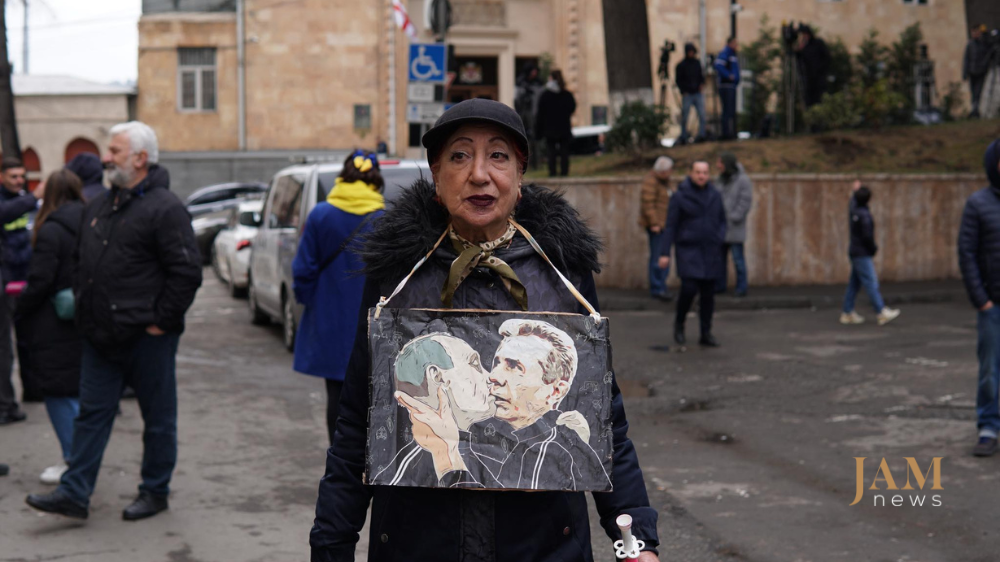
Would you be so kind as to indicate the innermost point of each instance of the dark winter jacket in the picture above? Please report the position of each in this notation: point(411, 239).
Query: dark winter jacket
point(138, 264)
point(332, 296)
point(696, 225)
point(555, 109)
point(727, 68)
point(862, 233)
point(976, 59)
point(16, 237)
point(13, 210)
point(54, 344)
point(526, 97)
point(89, 169)
point(689, 76)
point(815, 59)
point(451, 524)
point(979, 237)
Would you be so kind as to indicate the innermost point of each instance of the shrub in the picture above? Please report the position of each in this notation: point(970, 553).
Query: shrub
point(638, 127)
point(952, 105)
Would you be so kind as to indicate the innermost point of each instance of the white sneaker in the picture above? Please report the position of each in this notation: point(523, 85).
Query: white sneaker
point(52, 474)
point(851, 317)
point(887, 315)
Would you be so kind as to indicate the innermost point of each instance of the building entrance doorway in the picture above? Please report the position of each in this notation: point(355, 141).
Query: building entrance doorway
point(477, 78)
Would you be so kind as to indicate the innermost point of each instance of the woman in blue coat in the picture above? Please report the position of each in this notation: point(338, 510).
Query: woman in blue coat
point(696, 225)
point(326, 275)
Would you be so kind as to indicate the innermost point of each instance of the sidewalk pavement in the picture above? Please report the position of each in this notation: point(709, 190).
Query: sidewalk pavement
point(806, 296)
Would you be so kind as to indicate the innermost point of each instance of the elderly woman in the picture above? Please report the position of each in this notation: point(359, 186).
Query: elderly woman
point(477, 152)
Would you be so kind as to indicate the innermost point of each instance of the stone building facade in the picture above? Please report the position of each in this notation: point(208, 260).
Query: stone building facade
point(331, 74)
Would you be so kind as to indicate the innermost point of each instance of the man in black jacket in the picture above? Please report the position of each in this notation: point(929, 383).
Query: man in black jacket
point(15, 204)
point(979, 260)
point(814, 58)
point(975, 65)
point(862, 251)
point(690, 80)
point(138, 269)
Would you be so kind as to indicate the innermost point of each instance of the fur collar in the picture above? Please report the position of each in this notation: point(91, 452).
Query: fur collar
point(409, 228)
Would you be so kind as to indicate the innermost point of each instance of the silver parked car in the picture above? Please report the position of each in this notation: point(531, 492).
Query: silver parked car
point(231, 248)
point(291, 196)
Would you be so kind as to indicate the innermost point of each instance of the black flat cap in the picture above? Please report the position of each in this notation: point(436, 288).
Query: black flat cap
point(474, 111)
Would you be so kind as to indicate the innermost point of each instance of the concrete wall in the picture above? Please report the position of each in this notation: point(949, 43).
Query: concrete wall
point(798, 227)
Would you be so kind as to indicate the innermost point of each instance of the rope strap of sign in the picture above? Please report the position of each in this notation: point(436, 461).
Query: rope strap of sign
point(383, 301)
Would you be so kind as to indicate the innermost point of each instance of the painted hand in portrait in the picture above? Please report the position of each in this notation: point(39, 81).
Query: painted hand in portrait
point(493, 400)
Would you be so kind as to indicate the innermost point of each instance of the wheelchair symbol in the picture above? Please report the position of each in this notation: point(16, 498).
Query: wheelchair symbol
point(423, 67)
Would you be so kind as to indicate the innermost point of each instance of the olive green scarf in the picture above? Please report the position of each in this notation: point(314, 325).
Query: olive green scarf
point(471, 256)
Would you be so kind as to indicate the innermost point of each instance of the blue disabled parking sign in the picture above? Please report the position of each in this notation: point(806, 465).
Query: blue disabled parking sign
point(428, 63)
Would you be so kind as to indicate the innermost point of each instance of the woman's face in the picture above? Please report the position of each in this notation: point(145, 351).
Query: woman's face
point(478, 180)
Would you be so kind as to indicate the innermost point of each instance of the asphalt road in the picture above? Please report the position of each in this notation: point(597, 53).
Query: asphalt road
point(748, 450)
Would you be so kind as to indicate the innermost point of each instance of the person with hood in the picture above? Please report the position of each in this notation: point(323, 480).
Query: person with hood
point(690, 81)
point(696, 224)
point(737, 197)
point(137, 272)
point(89, 169)
point(975, 65)
point(325, 275)
point(862, 252)
point(46, 309)
point(979, 261)
point(478, 152)
point(555, 110)
point(727, 69)
point(15, 204)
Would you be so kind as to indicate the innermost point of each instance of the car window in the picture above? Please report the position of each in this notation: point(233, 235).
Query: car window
point(212, 197)
point(284, 208)
point(245, 190)
point(249, 218)
point(395, 179)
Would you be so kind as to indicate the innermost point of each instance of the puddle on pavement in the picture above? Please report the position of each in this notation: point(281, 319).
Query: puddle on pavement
point(635, 389)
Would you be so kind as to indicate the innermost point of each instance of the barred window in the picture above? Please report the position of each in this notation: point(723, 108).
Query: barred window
point(196, 83)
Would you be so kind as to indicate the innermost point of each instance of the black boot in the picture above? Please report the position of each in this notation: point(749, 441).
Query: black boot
point(57, 502)
point(707, 340)
point(146, 505)
point(679, 334)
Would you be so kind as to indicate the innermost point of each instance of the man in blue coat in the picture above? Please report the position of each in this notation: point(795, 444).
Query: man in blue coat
point(979, 260)
point(696, 225)
point(727, 68)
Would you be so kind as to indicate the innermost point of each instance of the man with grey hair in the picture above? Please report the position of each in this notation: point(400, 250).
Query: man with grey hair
point(655, 198)
point(137, 273)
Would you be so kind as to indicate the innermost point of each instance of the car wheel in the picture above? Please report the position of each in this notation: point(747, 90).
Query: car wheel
point(257, 316)
point(215, 264)
point(288, 322)
point(234, 291)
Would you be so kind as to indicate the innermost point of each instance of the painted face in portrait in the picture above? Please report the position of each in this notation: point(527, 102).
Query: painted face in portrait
point(518, 381)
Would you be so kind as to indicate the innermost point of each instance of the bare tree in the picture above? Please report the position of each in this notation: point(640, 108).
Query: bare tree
point(9, 143)
point(626, 48)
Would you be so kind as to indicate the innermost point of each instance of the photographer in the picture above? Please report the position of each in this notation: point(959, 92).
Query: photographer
point(975, 65)
point(814, 62)
point(690, 80)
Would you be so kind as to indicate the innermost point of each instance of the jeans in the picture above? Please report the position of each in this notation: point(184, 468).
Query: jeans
point(727, 95)
point(148, 365)
point(556, 146)
point(657, 276)
point(739, 263)
point(976, 83)
point(8, 401)
point(988, 350)
point(687, 102)
point(863, 275)
point(62, 413)
point(706, 307)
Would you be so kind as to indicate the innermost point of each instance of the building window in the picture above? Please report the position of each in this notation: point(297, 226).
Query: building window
point(196, 82)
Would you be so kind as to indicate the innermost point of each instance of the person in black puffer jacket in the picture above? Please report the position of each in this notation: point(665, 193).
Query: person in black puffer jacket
point(52, 341)
point(555, 110)
point(138, 270)
point(979, 260)
point(862, 250)
point(91, 172)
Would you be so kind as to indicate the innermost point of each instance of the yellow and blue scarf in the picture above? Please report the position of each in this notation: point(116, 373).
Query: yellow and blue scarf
point(356, 197)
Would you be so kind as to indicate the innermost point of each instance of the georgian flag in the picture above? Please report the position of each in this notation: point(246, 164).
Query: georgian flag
point(403, 19)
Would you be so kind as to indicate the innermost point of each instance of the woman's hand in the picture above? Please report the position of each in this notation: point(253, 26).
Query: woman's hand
point(647, 556)
point(664, 262)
